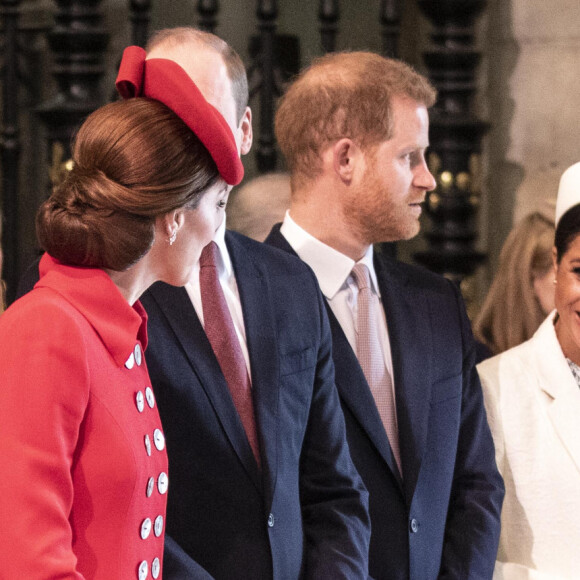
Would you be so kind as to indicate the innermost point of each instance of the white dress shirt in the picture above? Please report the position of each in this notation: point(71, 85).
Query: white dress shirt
point(333, 272)
point(229, 286)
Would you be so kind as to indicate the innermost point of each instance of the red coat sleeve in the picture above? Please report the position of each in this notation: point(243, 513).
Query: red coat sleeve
point(43, 395)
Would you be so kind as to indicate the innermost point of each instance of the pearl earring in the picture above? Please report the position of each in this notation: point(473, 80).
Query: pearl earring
point(172, 237)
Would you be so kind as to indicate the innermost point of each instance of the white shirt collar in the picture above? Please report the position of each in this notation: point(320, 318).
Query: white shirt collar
point(332, 268)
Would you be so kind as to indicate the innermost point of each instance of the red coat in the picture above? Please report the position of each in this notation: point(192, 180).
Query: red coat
point(79, 487)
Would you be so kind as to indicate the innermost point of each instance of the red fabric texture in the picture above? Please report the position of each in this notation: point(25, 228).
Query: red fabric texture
point(165, 81)
point(71, 432)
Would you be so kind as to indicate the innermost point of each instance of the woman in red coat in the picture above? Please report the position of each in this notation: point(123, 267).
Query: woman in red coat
point(85, 480)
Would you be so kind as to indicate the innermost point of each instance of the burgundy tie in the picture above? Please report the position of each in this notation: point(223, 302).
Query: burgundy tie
point(370, 356)
point(220, 331)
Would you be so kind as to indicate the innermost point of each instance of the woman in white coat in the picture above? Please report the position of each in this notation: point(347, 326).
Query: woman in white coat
point(532, 397)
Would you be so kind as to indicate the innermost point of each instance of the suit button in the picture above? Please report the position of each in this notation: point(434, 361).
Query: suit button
point(148, 444)
point(158, 526)
point(143, 570)
point(271, 521)
point(149, 396)
point(130, 363)
point(145, 528)
point(150, 486)
point(162, 483)
point(140, 401)
point(155, 568)
point(159, 439)
point(414, 526)
point(137, 354)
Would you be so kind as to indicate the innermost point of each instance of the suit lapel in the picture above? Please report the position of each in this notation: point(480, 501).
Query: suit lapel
point(408, 322)
point(190, 334)
point(259, 321)
point(350, 380)
point(356, 394)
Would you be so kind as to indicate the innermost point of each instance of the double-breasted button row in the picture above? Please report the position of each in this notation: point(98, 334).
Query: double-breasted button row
point(147, 526)
point(414, 526)
point(140, 399)
point(143, 571)
point(162, 484)
point(135, 357)
point(158, 440)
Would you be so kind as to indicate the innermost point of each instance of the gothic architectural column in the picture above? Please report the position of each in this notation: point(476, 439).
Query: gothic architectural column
point(455, 136)
point(78, 41)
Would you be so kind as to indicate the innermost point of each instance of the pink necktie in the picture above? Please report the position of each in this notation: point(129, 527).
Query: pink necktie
point(370, 356)
point(220, 331)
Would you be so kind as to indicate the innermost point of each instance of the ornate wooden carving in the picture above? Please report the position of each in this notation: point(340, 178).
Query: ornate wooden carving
point(78, 41)
point(390, 17)
point(455, 136)
point(208, 10)
point(266, 156)
point(139, 14)
point(328, 14)
point(10, 144)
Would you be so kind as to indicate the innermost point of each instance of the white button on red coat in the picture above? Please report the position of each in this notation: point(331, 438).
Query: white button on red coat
point(162, 483)
point(149, 396)
point(155, 568)
point(159, 439)
point(140, 401)
point(145, 528)
point(130, 363)
point(138, 355)
point(158, 526)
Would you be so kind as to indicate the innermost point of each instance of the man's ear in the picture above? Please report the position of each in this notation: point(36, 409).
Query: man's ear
point(247, 133)
point(345, 155)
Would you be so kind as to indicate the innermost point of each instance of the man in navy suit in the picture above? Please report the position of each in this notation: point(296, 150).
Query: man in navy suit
point(300, 510)
point(354, 131)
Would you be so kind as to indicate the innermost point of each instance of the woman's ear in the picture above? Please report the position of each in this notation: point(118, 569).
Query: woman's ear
point(170, 224)
point(247, 132)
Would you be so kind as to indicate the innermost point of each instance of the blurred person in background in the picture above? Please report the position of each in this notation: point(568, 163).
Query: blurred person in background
point(522, 291)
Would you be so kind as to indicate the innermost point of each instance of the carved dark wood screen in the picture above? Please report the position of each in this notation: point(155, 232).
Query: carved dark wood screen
point(77, 42)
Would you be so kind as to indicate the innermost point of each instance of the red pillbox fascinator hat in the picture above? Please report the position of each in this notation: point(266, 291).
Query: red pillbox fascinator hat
point(165, 81)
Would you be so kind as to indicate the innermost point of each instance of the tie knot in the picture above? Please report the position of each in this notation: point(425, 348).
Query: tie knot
point(361, 275)
point(209, 256)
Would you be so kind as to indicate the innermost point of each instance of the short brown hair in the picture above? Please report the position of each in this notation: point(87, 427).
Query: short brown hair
point(235, 66)
point(344, 94)
point(133, 160)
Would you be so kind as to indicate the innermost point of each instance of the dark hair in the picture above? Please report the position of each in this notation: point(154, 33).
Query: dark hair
point(183, 35)
point(133, 160)
point(566, 231)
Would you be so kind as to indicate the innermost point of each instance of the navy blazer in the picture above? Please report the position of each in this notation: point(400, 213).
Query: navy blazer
point(443, 519)
point(304, 514)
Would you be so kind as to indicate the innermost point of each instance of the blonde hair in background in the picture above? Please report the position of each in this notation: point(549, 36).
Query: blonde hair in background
point(511, 312)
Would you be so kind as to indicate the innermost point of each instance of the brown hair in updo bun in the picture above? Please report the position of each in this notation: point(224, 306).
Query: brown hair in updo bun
point(134, 160)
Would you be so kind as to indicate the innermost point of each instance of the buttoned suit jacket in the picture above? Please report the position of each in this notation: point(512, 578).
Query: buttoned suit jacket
point(304, 513)
point(533, 404)
point(442, 519)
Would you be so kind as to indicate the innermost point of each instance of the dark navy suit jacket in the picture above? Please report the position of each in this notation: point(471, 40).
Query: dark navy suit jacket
point(442, 521)
point(304, 514)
